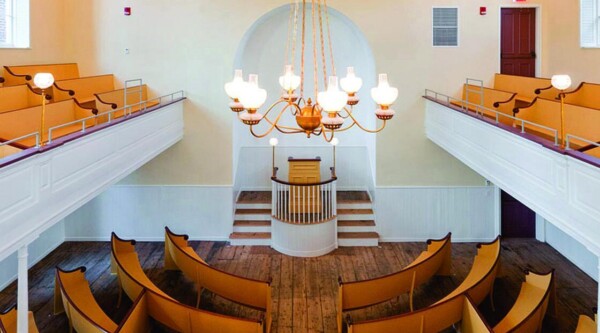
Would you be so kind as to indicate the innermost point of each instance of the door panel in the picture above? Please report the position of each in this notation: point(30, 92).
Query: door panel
point(517, 39)
point(518, 221)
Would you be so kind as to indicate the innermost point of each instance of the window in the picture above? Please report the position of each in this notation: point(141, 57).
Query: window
point(14, 23)
point(445, 26)
point(590, 26)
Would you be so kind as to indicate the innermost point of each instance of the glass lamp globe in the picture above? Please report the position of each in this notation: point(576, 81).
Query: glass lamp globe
point(333, 99)
point(251, 96)
point(351, 84)
point(234, 89)
point(561, 82)
point(43, 80)
point(273, 142)
point(335, 141)
point(289, 81)
point(384, 96)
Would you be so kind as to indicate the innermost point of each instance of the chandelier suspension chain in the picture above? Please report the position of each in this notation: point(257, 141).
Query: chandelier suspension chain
point(295, 33)
point(323, 59)
point(303, 47)
point(315, 58)
point(288, 37)
point(329, 38)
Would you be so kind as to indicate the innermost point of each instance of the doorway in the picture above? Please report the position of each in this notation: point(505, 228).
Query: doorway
point(518, 41)
point(518, 221)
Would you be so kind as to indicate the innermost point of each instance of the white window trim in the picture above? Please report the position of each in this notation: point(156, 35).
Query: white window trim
point(457, 27)
point(597, 26)
point(21, 25)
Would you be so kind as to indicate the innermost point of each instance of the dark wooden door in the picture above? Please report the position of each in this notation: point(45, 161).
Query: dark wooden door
point(518, 42)
point(518, 221)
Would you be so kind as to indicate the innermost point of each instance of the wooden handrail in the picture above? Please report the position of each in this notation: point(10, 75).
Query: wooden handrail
point(71, 92)
point(37, 91)
point(283, 182)
point(94, 110)
point(588, 147)
point(1, 79)
point(112, 105)
point(576, 89)
point(26, 76)
point(517, 109)
point(497, 104)
point(539, 90)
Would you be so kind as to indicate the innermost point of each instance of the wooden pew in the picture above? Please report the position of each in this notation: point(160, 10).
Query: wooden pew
point(113, 100)
point(17, 123)
point(163, 308)
point(586, 95)
point(433, 319)
point(8, 321)
point(528, 312)
point(249, 292)
point(527, 88)
point(587, 324)
point(480, 279)
point(137, 319)
point(73, 296)
point(435, 260)
point(580, 121)
point(15, 75)
point(84, 88)
point(498, 100)
point(20, 97)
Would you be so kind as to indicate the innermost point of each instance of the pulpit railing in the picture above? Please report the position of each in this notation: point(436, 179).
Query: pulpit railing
point(304, 203)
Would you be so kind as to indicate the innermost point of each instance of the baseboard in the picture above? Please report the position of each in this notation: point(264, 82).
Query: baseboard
point(144, 239)
point(31, 264)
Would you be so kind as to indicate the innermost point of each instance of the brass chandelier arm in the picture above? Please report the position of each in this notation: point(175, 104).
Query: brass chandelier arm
point(324, 132)
point(346, 128)
point(366, 129)
point(273, 125)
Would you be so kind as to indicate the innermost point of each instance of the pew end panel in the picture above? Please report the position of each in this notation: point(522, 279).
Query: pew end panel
point(587, 324)
point(137, 320)
point(472, 320)
point(8, 321)
point(586, 95)
point(180, 240)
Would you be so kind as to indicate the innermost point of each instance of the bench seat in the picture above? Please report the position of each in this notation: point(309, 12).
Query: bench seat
point(15, 75)
point(19, 97)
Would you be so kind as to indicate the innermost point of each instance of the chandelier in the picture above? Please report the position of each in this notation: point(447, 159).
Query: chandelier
point(333, 106)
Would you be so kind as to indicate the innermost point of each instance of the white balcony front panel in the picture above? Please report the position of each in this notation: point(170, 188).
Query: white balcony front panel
point(561, 188)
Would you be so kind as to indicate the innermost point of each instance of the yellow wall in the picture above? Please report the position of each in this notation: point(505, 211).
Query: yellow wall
point(190, 45)
point(47, 36)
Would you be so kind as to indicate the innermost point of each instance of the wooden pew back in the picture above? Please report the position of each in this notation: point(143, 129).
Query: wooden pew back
point(72, 295)
point(17, 123)
point(429, 320)
point(525, 87)
point(587, 324)
point(14, 75)
point(8, 321)
point(115, 99)
point(586, 95)
point(528, 312)
point(18, 97)
point(579, 121)
point(480, 280)
point(493, 99)
point(250, 292)
point(137, 319)
point(84, 87)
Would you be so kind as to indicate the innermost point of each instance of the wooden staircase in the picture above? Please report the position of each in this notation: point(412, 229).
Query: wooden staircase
point(356, 220)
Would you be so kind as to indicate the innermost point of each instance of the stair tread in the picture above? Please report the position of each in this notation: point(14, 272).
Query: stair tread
point(253, 211)
point(342, 197)
point(357, 223)
point(255, 223)
point(254, 197)
point(354, 211)
point(355, 235)
point(250, 235)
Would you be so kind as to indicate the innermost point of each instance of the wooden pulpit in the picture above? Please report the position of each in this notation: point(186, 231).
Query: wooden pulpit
point(305, 199)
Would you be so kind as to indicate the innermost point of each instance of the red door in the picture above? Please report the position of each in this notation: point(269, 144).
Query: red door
point(518, 41)
point(518, 221)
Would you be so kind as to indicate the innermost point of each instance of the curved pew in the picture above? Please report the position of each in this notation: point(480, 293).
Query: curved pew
point(587, 324)
point(84, 88)
point(480, 279)
point(17, 123)
point(163, 308)
point(579, 121)
point(435, 260)
point(115, 99)
point(20, 97)
point(72, 295)
point(8, 321)
point(528, 312)
point(586, 95)
point(15, 75)
point(249, 292)
point(433, 319)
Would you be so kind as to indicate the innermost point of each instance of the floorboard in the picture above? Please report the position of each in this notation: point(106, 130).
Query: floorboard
point(304, 290)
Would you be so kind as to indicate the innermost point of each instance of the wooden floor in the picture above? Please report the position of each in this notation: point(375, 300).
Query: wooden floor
point(304, 289)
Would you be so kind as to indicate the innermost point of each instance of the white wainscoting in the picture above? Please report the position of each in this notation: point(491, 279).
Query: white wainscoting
point(307, 240)
point(418, 213)
point(39, 191)
point(562, 189)
point(38, 250)
point(142, 212)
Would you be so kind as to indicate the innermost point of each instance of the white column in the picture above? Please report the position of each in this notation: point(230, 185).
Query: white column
point(22, 292)
point(598, 300)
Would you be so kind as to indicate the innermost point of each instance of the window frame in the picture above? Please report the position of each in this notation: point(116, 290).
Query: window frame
point(19, 31)
point(433, 27)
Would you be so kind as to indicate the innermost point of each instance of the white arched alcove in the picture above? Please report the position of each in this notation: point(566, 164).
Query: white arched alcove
point(262, 52)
